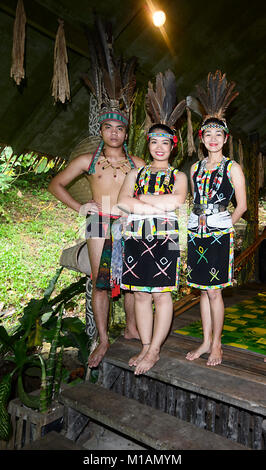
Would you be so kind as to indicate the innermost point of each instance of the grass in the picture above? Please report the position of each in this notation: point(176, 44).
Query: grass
point(32, 237)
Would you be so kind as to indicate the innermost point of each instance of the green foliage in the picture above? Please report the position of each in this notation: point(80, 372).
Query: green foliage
point(42, 318)
point(5, 424)
point(137, 142)
point(51, 362)
point(5, 179)
point(31, 243)
point(13, 165)
point(58, 373)
point(28, 400)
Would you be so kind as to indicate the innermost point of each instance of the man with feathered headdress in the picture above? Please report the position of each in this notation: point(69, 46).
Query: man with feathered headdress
point(112, 81)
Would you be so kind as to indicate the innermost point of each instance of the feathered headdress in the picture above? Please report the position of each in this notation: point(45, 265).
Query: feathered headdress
point(111, 80)
point(216, 97)
point(161, 102)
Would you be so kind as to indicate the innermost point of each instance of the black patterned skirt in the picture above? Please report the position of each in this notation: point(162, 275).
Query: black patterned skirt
point(151, 255)
point(210, 260)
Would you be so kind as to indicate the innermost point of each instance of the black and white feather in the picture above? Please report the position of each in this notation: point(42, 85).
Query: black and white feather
point(112, 80)
point(161, 102)
point(217, 96)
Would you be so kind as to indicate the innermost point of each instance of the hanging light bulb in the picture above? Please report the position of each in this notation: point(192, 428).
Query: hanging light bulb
point(158, 18)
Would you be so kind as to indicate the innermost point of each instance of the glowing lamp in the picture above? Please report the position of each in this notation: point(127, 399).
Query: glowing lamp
point(158, 18)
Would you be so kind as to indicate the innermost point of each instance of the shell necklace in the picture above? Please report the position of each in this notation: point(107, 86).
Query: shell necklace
point(122, 165)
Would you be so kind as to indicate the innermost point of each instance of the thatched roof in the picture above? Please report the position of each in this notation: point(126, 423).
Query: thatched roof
point(229, 35)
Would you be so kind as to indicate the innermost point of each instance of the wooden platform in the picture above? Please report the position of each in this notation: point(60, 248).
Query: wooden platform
point(229, 399)
point(242, 360)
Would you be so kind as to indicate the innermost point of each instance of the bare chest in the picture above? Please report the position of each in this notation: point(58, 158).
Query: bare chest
point(107, 180)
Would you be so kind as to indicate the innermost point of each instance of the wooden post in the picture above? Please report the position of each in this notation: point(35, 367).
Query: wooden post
point(251, 169)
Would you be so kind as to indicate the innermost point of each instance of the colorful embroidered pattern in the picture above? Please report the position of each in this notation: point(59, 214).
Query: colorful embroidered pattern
point(161, 134)
point(113, 116)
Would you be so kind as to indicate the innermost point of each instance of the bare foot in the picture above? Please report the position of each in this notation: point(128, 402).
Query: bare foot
point(215, 358)
point(97, 355)
point(134, 360)
point(196, 353)
point(264, 359)
point(131, 333)
point(147, 362)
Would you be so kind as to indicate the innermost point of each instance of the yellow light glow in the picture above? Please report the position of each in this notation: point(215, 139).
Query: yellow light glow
point(158, 18)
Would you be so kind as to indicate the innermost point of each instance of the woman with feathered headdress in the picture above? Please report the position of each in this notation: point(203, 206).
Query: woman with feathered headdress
point(151, 251)
point(214, 180)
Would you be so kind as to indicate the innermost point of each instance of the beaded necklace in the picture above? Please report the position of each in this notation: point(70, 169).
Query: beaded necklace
point(123, 165)
point(203, 180)
point(145, 176)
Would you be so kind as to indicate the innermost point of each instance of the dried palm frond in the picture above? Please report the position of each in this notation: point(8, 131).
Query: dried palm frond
point(17, 68)
point(60, 82)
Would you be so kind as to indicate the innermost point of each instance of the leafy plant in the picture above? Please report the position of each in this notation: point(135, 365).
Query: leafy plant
point(42, 320)
point(50, 378)
point(5, 390)
point(137, 142)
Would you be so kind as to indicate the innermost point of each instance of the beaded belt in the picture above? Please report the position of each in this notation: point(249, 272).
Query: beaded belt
point(207, 209)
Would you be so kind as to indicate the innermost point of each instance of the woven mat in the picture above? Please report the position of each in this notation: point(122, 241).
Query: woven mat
point(244, 325)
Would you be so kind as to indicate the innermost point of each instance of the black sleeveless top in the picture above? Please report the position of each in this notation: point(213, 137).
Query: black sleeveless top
point(213, 186)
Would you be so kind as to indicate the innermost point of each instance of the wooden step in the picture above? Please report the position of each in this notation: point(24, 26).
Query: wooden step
point(53, 441)
point(154, 428)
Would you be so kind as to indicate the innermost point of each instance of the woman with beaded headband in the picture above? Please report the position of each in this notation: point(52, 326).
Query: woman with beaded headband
point(214, 180)
point(151, 251)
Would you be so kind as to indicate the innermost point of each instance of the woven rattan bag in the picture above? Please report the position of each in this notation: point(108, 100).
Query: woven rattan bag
point(79, 188)
point(76, 258)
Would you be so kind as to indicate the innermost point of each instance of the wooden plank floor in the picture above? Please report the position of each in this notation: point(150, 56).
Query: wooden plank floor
point(240, 380)
point(234, 358)
point(236, 387)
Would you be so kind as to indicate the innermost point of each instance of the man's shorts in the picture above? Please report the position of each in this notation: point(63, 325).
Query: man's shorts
point(99, 226)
